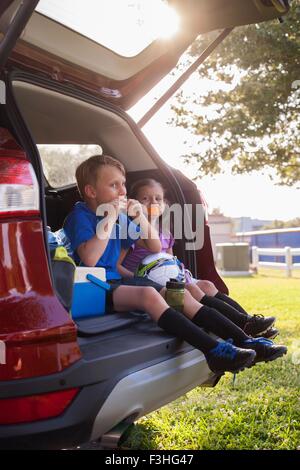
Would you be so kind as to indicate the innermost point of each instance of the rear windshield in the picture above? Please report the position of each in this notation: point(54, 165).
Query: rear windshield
point(124, 26)
point(60, 161)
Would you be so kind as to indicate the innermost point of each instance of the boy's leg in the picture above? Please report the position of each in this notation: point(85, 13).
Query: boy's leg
point(127, 298)
point(148, 299)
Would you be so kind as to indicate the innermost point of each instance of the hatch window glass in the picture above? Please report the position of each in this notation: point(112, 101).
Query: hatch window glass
point(124, 26)
point(60, 161)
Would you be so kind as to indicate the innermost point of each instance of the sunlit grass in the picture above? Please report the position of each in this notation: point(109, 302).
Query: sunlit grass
point(261, 410)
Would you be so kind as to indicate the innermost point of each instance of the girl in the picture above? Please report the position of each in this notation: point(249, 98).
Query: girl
point(151, 194)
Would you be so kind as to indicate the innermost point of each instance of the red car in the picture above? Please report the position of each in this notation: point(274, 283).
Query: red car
point(63, 383)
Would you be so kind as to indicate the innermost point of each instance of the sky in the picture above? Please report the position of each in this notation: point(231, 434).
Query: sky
point(138, 22)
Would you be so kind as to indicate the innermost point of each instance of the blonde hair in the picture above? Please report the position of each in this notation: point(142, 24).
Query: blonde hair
point(86, 172)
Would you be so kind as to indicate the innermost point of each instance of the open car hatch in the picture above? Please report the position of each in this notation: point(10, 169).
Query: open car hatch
point(62, 39)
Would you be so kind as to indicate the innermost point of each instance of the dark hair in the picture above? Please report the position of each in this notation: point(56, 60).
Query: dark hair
point(86, 172)
point(134, 190)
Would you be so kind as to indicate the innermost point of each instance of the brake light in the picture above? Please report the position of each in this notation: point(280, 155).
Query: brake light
point(19, 189)
point(35, 407)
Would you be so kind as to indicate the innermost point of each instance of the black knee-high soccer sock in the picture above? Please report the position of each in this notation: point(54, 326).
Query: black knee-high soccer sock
point(240, 319)
point(230, 301)
point(178, 325)
point(216, 323)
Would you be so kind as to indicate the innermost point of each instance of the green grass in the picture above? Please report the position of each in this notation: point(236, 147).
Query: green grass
point(261, 410)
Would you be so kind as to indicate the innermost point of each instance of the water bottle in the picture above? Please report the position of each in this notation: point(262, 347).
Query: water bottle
point(175, 294)
point(63, 240)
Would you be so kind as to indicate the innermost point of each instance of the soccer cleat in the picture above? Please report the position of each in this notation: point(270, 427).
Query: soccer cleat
point(258, 324)
point(265, 349)
point(271, 333)
point(226, 357)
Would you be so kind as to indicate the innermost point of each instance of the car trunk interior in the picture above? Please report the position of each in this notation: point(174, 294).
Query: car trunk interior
point(56, 118)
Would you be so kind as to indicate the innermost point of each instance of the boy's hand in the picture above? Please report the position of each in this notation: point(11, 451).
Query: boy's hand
point(112, 209)
point(134, 208)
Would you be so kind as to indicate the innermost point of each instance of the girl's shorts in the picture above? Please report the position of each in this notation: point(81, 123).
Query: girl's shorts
point(189, 279)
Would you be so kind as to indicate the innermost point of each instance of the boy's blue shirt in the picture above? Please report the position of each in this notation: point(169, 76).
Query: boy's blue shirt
point(80, 226)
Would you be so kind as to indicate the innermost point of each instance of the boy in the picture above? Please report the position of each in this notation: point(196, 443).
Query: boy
point(97, 241)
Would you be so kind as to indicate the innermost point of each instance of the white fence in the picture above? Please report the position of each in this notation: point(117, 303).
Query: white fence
point(287, 252)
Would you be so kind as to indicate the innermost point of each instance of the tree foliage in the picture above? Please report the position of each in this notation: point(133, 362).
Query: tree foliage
point(281, 224)
point(255, 123)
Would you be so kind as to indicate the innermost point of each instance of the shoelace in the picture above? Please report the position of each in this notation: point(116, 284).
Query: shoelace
point(259, 340)
point(225, 349)
point(233, 379)
point(258, 316)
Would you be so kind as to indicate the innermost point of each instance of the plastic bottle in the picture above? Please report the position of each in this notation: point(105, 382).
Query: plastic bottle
point(153, 210)
point(175, 294)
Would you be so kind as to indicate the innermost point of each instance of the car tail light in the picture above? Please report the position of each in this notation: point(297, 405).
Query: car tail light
point(19, 189)
point(35, 407)
point(37, 335)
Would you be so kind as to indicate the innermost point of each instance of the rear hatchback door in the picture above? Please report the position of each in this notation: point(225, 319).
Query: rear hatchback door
point(14, 16)
point(116, 48)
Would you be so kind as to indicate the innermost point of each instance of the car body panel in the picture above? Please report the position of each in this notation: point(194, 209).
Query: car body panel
point(147, 388)
point(38, 333)
point(141, 364)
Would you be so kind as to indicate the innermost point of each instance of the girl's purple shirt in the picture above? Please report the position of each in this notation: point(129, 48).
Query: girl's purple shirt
point(136, 253)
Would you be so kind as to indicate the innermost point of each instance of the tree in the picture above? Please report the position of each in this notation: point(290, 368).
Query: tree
point(252, 120)
point(60, 161)
point(280, 224)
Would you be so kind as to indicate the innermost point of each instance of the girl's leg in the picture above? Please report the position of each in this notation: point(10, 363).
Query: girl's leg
point(195, 291)
point(207, 287)
point(211, 319)
point(205, 292)
point(201, 288)
point(210, 289)
point(252, 325)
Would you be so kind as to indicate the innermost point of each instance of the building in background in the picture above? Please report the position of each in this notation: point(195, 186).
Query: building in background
point(247, 224)
point(221, 229)
point(276, 238)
